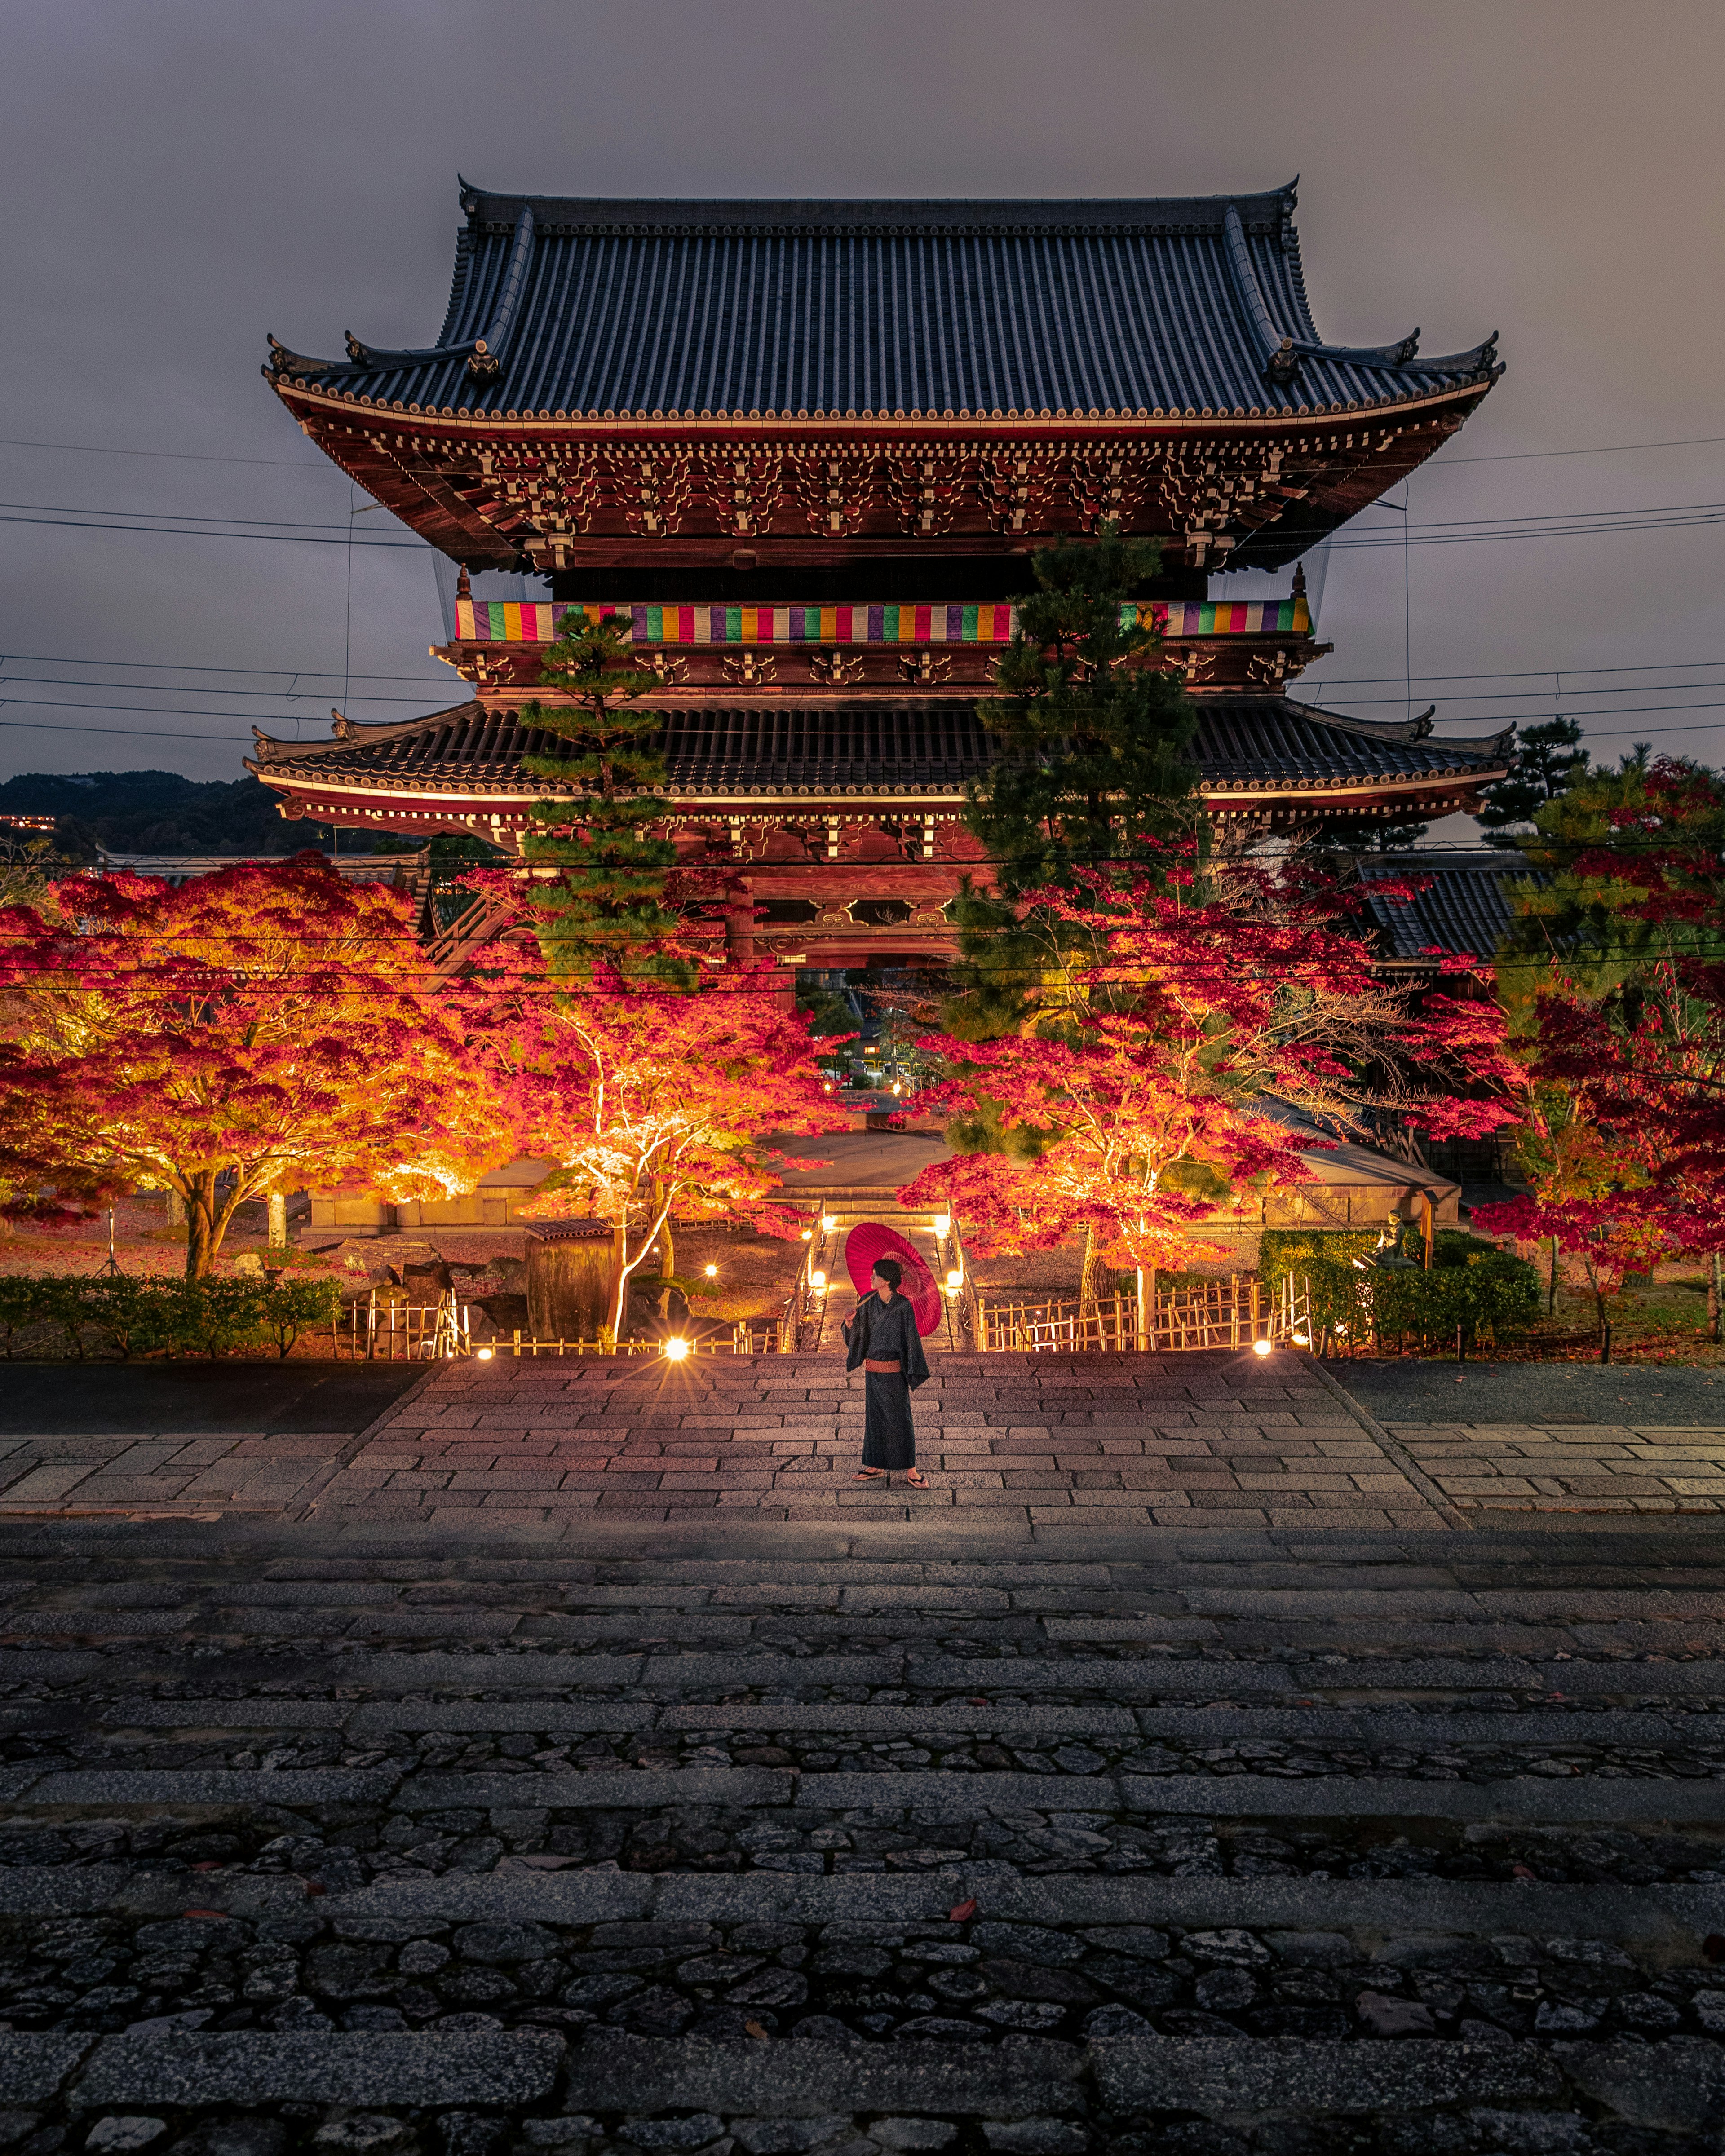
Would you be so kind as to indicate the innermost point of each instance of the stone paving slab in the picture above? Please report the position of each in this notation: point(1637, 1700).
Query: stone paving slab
point(178, 2065)
point(1022, 1438)
point(1525, 1468)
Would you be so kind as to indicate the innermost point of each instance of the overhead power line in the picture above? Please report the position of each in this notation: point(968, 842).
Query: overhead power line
point(295, 673)
point(169, 531)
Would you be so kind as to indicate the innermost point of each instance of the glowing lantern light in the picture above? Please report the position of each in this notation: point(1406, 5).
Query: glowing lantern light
point(1261, 1347)
point(711, 1272)
point(482, 1354)
point(943, 1222)
point(676, 1348)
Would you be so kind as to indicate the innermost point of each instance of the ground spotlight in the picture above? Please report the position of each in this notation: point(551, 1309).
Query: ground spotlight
point(942, 1222)
point(1262, 1347)
point(711, 1272)
point(676, 1348)
point(482, 1354)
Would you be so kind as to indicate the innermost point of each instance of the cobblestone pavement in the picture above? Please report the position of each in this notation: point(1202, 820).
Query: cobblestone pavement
point(487, 1835)
point(472, 1829)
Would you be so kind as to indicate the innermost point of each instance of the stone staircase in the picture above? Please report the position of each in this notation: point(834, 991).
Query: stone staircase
point(860, 1835)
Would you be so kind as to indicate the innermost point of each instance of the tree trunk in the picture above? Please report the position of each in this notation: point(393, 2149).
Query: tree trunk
point(1551, 1291)
point(1714, 1285)
point(1593, 1282)
point(1095, 1277)
point(201, 1239)
point(175, 1209)
point(667, 1253)
point(277, 1237)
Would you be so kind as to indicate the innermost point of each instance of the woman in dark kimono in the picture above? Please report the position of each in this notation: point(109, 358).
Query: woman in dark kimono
point(883, 1338)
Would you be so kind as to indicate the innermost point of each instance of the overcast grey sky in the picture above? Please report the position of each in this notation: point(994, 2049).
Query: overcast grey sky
point(185, 175)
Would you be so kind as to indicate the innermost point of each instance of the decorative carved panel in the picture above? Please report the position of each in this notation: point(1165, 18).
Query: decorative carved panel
point(751, 670)
point(838, 670)
point(925, 489)
point(652, 487)
point(742, 487)
point(927, 668)
point(834, 487)
point(1107, 485)
point(671, 667)
point(1014, 489)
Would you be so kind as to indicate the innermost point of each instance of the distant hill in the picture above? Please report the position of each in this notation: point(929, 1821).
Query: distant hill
point(159, 812)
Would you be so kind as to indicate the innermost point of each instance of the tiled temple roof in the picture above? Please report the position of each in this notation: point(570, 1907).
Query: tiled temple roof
point(1252, 740)
point(1245, 742)
point(1463, 907)
point(598, 307)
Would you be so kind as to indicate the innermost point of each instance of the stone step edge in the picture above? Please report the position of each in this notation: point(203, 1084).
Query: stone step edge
point(1593, 1798)
point(1671, 1919)
point(646, 1676)
point(1677, 2084)
point(1531, 1728)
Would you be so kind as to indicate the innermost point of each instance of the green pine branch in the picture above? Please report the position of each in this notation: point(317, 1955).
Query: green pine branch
point(609, 896)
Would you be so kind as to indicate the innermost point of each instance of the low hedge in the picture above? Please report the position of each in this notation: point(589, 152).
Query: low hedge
point(1473, 1289)
point(53, 1316)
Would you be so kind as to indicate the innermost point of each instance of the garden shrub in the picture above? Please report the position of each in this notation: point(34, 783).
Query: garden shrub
point(133, 1318)
point(1474, 1288)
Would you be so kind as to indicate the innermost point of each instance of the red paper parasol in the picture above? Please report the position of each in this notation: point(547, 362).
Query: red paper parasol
point(866, 1243)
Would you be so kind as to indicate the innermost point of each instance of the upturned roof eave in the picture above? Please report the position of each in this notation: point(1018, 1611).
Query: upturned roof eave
point(469, 422)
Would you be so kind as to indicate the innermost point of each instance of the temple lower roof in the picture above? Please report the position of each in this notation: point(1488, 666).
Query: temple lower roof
point(1248, 744)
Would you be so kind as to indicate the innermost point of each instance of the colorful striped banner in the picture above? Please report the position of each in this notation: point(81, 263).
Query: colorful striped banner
point(509, 621)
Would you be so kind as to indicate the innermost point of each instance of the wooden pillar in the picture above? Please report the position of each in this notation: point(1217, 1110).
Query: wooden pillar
point(572, 1278)
point(277, 1236)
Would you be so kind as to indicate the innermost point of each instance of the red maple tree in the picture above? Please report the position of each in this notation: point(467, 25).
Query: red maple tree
point(1617, 1022)
point(252, 1031)
point(1177, 1043)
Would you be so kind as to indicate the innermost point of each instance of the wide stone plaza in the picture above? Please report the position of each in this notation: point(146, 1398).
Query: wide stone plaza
point(549, 1751)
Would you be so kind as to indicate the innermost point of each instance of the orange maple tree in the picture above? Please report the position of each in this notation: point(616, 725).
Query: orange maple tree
point(654, 1099)
point(252, 1031)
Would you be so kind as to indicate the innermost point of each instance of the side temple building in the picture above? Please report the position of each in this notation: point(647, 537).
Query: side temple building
point(803, 449)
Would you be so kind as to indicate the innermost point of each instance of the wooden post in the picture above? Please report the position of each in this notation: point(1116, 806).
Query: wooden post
point(572, 1278)
point(276, 1237)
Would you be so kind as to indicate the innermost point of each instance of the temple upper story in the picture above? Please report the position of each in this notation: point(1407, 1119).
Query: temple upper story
point(665, 392)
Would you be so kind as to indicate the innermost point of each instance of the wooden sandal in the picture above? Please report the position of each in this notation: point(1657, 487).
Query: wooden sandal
point(916, 1479)
point(868, 1475)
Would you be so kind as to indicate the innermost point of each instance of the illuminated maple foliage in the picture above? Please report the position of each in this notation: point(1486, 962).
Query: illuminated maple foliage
point(653, 1099)
point(1169, 1031)
point(257, 1030)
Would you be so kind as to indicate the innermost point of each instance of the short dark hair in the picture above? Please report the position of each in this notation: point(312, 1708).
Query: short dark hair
point(891, 1271)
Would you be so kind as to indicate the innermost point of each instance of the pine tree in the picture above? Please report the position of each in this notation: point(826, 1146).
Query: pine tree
point(609, 896)
point(1548, 763)
point(1097, 774)
point(1097, 766)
